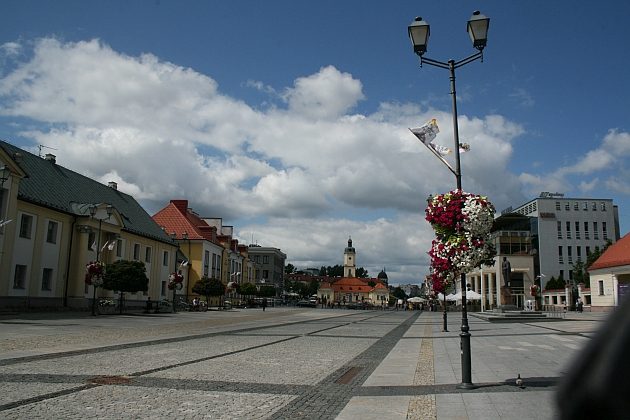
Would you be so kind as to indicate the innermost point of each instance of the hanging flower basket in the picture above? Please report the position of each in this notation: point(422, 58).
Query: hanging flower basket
point(175, 281)
point(94, 271)
point(533, 290)
point(462, 224)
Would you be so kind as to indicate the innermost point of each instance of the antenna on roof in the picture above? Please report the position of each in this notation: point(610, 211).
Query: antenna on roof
point(41, 146)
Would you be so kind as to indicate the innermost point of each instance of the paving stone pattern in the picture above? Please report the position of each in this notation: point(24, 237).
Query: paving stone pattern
point(281, 364)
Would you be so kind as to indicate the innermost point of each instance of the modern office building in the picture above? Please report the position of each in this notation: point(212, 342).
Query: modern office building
point(540, 239)
point(565, 230)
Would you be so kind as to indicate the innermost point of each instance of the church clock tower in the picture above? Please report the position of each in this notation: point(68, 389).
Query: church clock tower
point(349, 262)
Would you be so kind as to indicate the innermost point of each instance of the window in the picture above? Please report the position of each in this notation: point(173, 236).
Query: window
point(559, 224)
point(19, 278)
point(567, 206)
point(604, 230)
point(265, 259)
point(206, 263)
point(119, 248)
point(594, 206)
point(51, 233)
point(557, 205)
point(561, 275)
point(577, 230)
point(570, 254)
point(266, 275)
point(595, 231)
point(586, 235)
point(26, 225)
point(91, 241)
point(578, 251)
point(568, 230)
point(136, 252)
point(147, 254)
point(560, 258)
point(571, 275)
point(47, 278)
point(585, 206)
point(600, 287)
point(576, 206)
point(588, 250)
point(602, 205)
point(165, 259)
point(163, 291)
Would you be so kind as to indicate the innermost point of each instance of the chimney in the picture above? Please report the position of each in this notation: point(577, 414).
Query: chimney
point(181, 205)
point(113, 185)
point(51, 158)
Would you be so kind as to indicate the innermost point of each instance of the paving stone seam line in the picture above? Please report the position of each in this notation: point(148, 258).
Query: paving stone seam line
point(47, 396)
point(163, 368)
point(46, 356)
point(309, 405)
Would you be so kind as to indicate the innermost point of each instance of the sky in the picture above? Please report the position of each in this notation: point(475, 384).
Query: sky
point(289, 119)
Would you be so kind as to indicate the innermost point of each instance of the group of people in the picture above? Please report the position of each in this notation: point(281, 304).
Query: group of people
point(198, 304)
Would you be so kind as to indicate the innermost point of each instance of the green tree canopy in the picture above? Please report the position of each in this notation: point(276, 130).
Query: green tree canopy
point(399, 293)
point(267, 291)
point(289, 269)
point(248, 289)
point(313, 287)
point(209, 287)
point(362, 273)
point(126, 276)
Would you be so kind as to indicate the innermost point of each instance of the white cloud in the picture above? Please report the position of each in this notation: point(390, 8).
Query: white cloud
point(326, 94)
point(313, 172)
point(605, 159)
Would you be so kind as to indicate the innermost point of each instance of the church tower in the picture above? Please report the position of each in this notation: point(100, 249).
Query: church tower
point(349, 262)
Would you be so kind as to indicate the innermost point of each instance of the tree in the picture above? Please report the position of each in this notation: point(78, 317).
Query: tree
point(371, 283)
point(362, 273)
point(209, 288)
point(126, 276)
point(267, 291)
point(399, 293)
point(313, 287)
point(248, 289)
point(289, 269)
point(554, 284)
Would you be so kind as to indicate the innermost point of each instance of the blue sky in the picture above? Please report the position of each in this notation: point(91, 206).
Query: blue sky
point(289, 119)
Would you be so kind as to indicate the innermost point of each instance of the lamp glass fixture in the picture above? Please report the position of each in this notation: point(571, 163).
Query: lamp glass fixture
point(4, 173)
point(419, 35)
point(478, 29)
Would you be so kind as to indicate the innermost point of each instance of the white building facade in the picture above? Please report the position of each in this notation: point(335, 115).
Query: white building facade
point(567, 229)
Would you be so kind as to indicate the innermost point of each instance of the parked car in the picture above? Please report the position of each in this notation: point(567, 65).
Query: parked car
point(307, 303)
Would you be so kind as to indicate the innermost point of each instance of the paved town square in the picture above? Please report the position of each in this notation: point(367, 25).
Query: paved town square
point(283, 363)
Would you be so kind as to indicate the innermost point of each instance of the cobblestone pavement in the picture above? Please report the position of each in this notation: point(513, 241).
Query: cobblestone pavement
point(283, 363)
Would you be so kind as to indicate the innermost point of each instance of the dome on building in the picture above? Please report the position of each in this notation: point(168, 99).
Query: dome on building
point(349, 248)
point(382, 275)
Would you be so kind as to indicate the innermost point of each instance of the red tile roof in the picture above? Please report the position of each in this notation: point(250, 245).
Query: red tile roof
point(176, 217)
point(615, 255)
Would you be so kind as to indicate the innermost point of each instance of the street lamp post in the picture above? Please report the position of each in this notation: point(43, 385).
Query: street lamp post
point(419, 32)
point(97, 282)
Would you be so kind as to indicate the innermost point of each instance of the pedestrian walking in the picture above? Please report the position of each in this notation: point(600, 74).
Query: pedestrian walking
point(264, 304)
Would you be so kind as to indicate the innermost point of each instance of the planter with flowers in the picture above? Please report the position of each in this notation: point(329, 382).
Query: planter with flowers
point(175, 281)
point(462, 224)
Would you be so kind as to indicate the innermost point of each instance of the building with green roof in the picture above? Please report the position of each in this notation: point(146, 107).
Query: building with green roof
point(55, 221)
